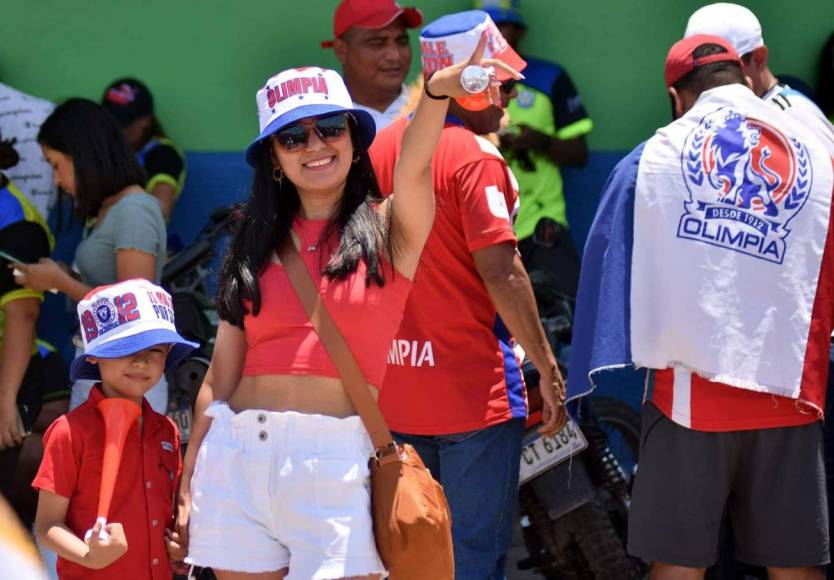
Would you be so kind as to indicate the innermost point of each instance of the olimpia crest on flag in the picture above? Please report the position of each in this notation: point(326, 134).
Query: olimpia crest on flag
point(746, 182)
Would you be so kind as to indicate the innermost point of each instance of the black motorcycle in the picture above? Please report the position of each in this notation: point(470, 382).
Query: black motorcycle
point(185, 276)
point(575, 487)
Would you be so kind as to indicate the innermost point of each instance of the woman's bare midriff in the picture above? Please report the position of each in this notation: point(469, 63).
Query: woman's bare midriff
point(301, 393)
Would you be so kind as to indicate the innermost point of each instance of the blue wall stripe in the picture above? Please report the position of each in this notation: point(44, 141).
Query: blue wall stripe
point(222, 178)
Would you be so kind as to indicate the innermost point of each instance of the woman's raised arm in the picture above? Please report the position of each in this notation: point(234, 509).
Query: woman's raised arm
point(412, 202)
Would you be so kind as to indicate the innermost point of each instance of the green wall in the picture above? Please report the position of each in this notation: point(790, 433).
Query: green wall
point(204, 60)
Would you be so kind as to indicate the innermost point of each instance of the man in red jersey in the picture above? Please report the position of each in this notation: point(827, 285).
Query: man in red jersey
point(454, 387)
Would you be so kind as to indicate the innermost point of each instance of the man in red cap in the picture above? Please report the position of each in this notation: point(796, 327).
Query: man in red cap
point(371, 42)
point(454, 388)
point(709, 270)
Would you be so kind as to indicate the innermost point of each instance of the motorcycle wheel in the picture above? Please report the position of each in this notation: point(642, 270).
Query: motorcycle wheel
point(188, 378)
point(581, 545)
point(184, 383)
point(621, 424)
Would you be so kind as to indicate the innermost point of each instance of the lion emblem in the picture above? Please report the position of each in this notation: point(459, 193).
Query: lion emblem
point(746, 182)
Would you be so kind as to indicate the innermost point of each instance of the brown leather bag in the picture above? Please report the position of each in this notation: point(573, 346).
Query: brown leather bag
point(412, 525)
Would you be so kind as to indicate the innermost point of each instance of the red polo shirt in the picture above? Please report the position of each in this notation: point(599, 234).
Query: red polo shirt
point(143, 501)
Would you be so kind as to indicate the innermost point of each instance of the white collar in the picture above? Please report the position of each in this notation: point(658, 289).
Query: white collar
point(391, 109)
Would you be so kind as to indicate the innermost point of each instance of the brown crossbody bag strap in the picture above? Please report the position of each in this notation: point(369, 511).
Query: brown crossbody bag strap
point(412, 525)
point(335, 345)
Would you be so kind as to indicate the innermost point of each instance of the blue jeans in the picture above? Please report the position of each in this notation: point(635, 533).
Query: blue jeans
point(479, 473)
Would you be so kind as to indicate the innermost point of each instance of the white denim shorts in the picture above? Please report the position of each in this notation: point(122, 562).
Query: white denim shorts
point(275, 490)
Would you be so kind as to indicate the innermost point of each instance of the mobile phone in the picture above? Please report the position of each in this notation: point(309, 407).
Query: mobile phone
point(16, 272)
point(10, 258)
point(21, 425)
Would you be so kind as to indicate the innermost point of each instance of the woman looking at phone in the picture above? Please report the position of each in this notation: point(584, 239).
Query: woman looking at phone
point(125, 238)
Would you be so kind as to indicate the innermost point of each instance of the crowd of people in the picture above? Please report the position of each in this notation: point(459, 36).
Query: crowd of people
point(418, 213)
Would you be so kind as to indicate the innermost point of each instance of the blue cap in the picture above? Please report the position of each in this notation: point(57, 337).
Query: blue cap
point(123, 319)
point(181, 348)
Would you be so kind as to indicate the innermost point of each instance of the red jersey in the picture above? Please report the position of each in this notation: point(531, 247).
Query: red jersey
point(143, 501)
point(703, 405)
point(451, 367)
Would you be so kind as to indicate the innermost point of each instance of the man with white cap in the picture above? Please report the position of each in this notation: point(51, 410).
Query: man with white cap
point(371, 43)
point(453, 388)
point(740, 27)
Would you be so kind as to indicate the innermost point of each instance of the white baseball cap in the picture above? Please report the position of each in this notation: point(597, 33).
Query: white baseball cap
point(736, 24)
point(452, 39)
point(298, 93)
point(123, 319)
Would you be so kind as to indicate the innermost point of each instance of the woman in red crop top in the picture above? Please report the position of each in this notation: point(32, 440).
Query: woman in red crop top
point(278, 459)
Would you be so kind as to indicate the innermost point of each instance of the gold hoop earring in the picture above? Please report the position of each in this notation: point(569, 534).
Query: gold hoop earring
point(278, 175)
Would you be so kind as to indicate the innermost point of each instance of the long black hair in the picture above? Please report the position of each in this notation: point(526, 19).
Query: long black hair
point(104, 164)
point(268, 216)
point(8, 154)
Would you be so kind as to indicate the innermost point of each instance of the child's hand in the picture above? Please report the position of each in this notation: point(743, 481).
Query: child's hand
point(104, 552)
point(177, 551)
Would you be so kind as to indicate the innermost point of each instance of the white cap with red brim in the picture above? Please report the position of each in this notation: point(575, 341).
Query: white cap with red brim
point(732, 22)
point(453, 38)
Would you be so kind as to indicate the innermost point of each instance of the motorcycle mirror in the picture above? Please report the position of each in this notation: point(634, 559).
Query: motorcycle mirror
point(548, 233)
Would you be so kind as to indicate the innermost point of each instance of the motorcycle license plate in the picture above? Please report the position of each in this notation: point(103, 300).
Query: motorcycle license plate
point(541, 453)
point(182, 418)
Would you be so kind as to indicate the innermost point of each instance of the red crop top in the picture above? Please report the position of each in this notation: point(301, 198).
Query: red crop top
point(281, 339)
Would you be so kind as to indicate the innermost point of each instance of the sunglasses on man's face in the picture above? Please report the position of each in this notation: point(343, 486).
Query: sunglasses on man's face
point(327, 128)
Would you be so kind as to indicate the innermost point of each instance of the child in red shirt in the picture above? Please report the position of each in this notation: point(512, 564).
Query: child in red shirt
point(129, 339)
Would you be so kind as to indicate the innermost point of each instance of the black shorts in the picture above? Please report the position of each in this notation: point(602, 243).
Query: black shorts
point(46, 380)
point(770, 483)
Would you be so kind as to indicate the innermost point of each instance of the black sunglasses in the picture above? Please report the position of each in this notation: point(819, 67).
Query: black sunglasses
point(327, 128)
